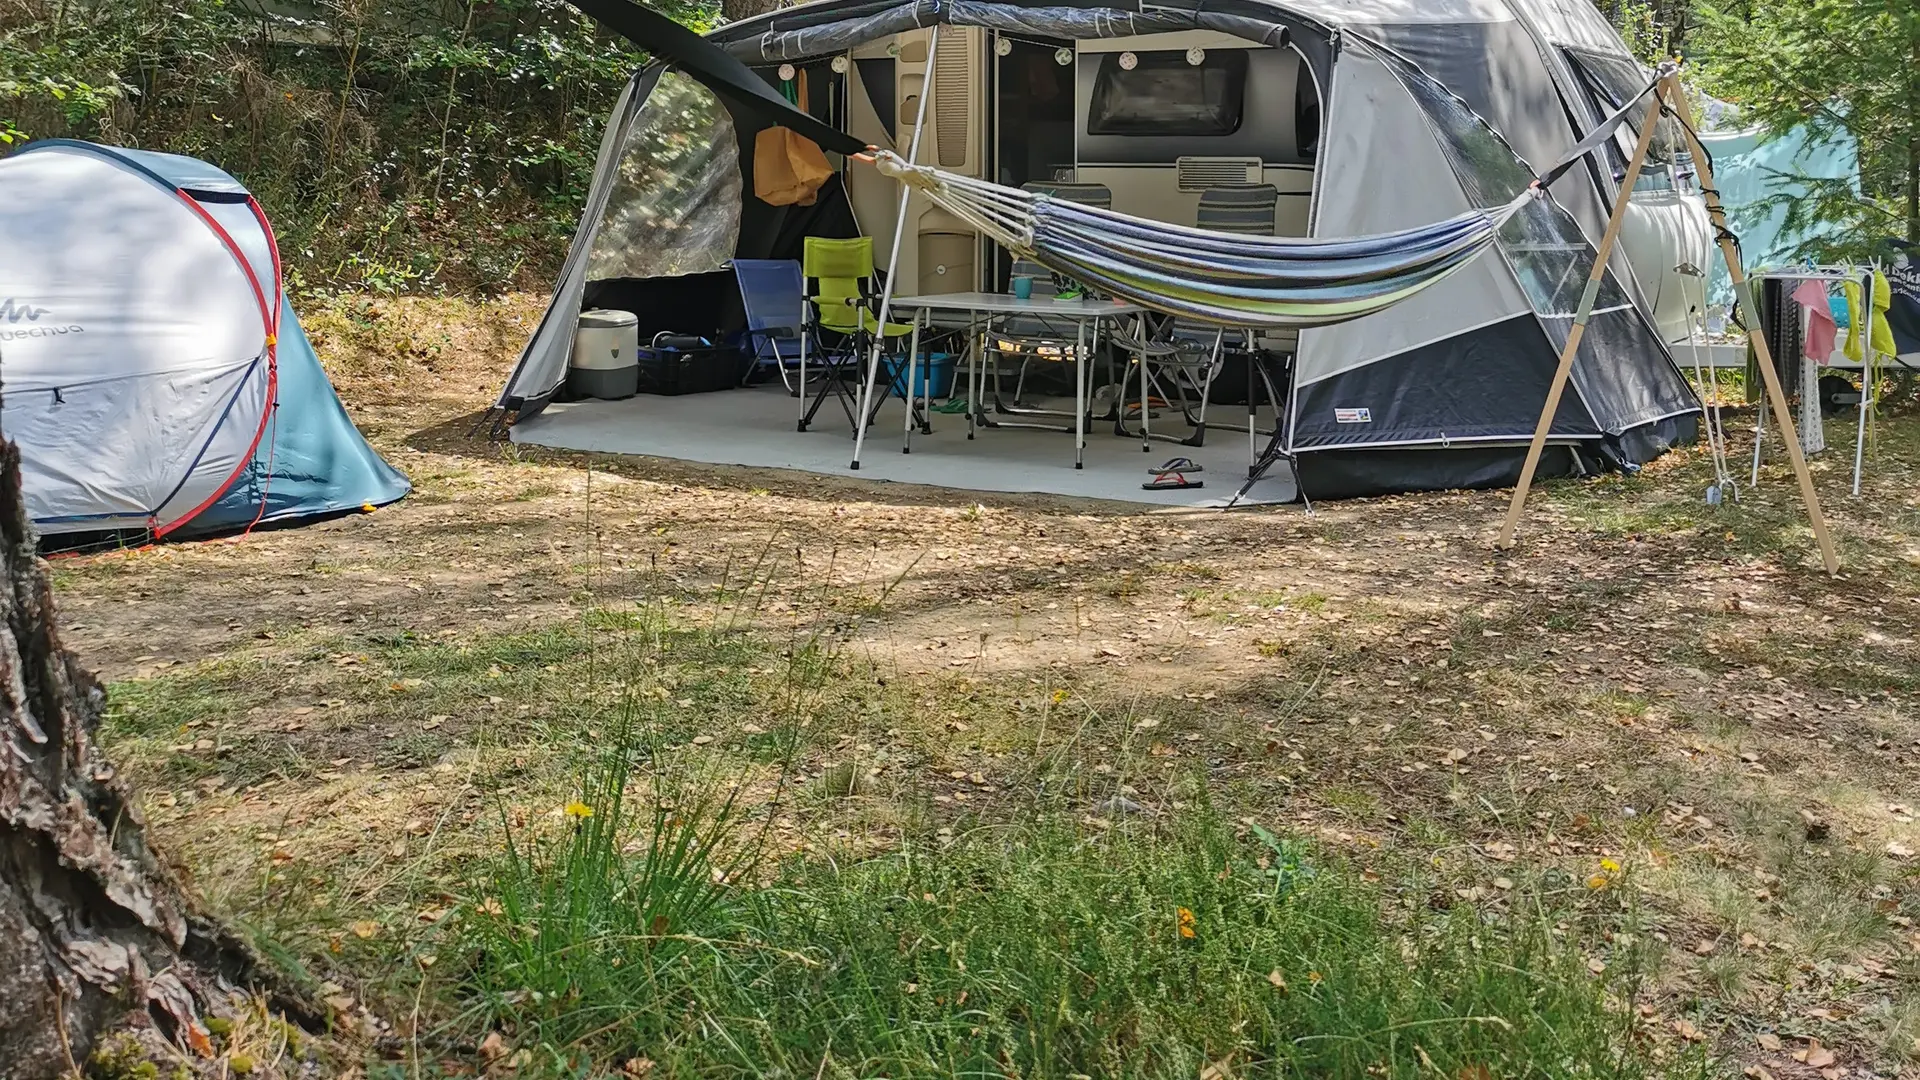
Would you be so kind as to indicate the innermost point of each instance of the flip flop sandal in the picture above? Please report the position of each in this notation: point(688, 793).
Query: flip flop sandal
point(1171, 481)
point(1178, 465)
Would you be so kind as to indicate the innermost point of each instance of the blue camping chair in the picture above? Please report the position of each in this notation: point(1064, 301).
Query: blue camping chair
point(772, 292)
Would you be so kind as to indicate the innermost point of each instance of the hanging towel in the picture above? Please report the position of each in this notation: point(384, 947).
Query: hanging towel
point(788, 167)
point(1821, 331)
point(1882, 331)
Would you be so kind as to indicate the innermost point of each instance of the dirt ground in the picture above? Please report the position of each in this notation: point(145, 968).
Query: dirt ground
point(1641, 676)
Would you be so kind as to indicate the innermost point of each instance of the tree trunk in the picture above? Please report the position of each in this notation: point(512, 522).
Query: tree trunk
point(735, 10)
point(96, 935)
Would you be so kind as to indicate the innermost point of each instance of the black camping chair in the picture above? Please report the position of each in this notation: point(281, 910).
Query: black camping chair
point(1180, 358)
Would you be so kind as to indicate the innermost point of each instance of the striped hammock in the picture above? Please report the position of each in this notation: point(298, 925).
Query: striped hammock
point(1225, 279)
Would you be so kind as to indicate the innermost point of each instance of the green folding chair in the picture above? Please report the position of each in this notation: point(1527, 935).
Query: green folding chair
point(841, 324)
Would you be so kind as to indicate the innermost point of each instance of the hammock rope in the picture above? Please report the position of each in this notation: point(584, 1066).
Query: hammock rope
point(1226, 279)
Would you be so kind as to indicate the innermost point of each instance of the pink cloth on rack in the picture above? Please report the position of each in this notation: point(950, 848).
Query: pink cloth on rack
point(1821, 331)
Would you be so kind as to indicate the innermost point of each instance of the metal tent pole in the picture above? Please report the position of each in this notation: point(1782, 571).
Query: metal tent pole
point(893, 259)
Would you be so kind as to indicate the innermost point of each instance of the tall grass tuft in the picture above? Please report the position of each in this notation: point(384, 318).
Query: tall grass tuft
point(1043, 950)
point(579, 917)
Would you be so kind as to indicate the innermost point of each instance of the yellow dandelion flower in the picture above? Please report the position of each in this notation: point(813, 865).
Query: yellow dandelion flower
point(578, 810)
point(1060, 697)
point(1185, 922)
point(1598, 881)
point(1609, 866)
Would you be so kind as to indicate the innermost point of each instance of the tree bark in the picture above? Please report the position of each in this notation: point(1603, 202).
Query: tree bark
point(96, 934)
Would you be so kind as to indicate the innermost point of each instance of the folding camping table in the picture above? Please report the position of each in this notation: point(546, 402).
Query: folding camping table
point(981, 310)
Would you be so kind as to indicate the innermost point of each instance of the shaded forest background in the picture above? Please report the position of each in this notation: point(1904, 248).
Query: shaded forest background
point(444, 145)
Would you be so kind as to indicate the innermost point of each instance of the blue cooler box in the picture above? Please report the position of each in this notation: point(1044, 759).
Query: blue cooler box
point(934, 368)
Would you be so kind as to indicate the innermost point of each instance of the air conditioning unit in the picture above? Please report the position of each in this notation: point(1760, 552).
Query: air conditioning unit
point(1201, 173)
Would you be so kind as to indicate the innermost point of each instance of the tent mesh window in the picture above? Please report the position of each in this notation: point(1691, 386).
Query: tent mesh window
point(674, 208)
point(1609, 82)
point(1549, 253)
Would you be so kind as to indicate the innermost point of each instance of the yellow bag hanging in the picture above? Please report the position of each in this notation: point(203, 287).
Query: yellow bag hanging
point(788, 167)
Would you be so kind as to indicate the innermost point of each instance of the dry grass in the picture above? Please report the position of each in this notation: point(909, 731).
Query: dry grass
point(328, 720)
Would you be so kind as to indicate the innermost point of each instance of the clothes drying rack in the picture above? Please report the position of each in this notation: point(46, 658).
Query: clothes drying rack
point(1869, 389)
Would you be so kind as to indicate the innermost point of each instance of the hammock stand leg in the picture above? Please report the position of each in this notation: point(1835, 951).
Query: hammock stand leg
point(1743, 292)
point(1602, 254)
point(893, 263)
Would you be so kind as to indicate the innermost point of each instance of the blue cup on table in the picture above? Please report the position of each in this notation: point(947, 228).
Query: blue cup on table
point(1023, 288)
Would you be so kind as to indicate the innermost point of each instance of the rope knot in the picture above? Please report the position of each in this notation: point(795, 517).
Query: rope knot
point(895, 167)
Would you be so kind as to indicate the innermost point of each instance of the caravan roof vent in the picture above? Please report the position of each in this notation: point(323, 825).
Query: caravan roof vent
point(1201, 173)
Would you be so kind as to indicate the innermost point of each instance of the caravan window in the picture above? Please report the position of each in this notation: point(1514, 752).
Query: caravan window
point(1165, 95)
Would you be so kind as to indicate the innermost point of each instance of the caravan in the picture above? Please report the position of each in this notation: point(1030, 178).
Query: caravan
point(1360, 118)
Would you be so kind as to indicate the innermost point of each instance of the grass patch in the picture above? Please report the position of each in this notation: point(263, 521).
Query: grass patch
point(1045, 949)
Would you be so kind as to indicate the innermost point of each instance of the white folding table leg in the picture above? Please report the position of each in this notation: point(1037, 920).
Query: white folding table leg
point(1146, 407)
point(913, 357)
point(1080, 367)
point(976, 346)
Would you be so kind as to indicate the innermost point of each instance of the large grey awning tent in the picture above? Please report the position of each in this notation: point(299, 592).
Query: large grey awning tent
point(1425, 112)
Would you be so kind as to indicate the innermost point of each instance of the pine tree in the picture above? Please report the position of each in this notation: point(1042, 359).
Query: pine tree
point(1840, 67)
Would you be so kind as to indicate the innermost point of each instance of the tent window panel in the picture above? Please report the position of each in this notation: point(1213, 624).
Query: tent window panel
point(1609, 82)
point(674, 208)
point(1549, 254)
point(1166, 95)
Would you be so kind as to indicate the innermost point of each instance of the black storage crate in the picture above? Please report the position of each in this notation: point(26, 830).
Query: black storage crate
point(700, 370)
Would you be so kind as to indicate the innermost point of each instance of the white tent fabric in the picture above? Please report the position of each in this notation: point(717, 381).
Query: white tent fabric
point(544, 363)
point(126, 312)
point(1376, 130)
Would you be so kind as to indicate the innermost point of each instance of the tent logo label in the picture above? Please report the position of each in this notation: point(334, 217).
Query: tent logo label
point(1353, 416)
point(12, 311)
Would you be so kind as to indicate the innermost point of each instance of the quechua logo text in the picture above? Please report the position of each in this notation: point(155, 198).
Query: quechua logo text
point(20, 320)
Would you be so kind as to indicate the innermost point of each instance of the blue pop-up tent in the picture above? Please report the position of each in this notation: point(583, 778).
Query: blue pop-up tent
point(157, 379)
point(313, 462)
